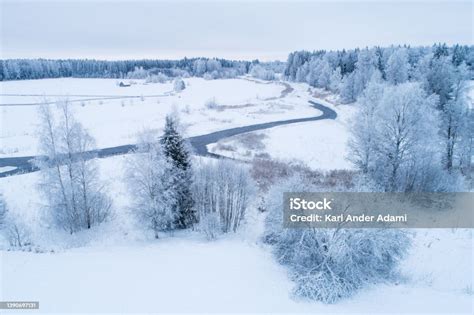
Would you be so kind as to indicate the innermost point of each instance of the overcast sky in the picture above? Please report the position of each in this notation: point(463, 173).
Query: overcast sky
point(232, 29)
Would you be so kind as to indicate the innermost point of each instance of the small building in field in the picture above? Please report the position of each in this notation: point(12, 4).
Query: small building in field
point(123, 84)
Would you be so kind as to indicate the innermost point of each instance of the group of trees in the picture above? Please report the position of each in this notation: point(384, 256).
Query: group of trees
point(151, 70)
point(159, 177)
point(25, 69)
point(167, 192)
point(347, 72)
point(396, 141)
point(222, 190)
point(260, 72)
point(413, 132)
point(75, 196)
point(415, 122)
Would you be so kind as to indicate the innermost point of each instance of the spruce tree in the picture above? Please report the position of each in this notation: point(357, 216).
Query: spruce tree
point(175, 150)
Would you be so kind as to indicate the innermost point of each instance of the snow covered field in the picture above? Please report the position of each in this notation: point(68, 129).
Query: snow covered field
point(229, 274)
point(320, 144)
point(114, 115)
point(118, 267)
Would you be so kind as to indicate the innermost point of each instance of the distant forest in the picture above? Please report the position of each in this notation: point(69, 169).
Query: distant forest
point(27, 69)
point(317, 68)
point(347, 72)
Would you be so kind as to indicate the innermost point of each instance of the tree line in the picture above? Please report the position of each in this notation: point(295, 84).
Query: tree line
point(27, 69)
point(347, 72)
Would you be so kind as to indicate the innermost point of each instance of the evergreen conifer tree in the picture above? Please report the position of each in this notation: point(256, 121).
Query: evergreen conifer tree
point(175, 150)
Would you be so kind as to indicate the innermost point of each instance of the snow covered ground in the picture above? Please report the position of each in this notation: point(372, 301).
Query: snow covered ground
point(185, 274)
point(118, 268)
point(319, 144)
point(116, 121)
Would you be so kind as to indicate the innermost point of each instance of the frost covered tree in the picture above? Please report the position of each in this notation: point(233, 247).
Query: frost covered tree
point(440, 77)
point(404, 125)
point(403, 151)
point(331, 264)
point(335, 80)
point(223, 191)
point(179, 85)
point(364, 69)
point(150, 181)
point(213, 65)
point(397, 68)
point(176, 151)
point(325, 72)
point(3, 211)
point(199, 67)
point(348, 88)
point(455, 115)
point(450, 84)
point(70, 182)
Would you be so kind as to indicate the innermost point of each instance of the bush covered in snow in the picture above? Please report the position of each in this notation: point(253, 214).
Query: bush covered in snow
point(212, 104)
point(222, 192)
point(15, 232)
point(330, 264)
point(157, 78)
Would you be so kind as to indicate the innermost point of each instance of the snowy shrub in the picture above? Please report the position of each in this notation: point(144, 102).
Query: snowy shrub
point(209, 76)
point(157, 78)
point(178, 85)
point(17, 233)
point(222, 191)
point(260, 72)
point(212, 104)
point(331, 264)
point(269, 171)
point(180, 73)
point(252, 140)
point(14, 230)
point(209, 225)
